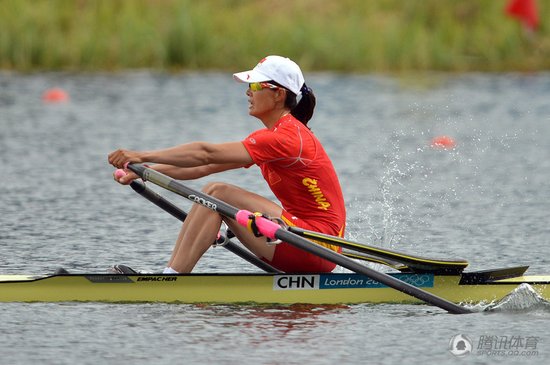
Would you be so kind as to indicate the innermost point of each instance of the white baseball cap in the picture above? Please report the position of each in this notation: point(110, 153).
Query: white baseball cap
point(282, 70)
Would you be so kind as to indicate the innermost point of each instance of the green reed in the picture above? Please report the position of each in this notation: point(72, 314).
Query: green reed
point(339, 35)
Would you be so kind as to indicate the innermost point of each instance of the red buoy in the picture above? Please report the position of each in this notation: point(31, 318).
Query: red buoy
point(55, 95)
point(443, 142)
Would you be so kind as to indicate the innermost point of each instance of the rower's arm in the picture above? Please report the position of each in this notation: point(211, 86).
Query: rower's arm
point(201, 154)
point(190, 173)
point(188, 161)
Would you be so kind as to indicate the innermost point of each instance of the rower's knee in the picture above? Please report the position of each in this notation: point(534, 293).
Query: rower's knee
point(217, 189)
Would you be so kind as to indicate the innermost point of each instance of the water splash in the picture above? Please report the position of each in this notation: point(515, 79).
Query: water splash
point(417, 186)
point(522, 299)
point(405, 188)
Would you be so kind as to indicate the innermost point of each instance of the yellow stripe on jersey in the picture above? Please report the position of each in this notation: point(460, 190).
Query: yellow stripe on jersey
point(327, 245)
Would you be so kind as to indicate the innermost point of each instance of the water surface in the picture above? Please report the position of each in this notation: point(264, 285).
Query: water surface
point(487, 200)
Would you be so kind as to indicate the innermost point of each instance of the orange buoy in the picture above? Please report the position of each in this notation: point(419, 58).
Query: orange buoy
point(443, 142)
point(55, 95)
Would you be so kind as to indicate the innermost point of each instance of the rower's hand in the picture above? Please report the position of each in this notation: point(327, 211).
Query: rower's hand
point(120, 158)
point(124, 177)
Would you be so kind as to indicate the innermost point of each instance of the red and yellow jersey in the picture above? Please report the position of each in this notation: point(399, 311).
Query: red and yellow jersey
point(300, 174)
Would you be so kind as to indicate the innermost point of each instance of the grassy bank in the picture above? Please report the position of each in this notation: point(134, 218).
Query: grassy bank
point(341, 35)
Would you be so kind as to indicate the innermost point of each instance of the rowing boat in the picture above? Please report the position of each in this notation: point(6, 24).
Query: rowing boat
point(331, 288)
point(442, 283)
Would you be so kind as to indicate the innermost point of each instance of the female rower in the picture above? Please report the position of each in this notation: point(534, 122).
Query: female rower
point(292, 161)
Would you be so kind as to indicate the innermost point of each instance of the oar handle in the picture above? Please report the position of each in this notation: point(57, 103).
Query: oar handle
point(265, 226)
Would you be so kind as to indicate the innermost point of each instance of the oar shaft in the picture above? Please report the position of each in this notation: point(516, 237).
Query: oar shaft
point(176, 212)
point(272, 230)
point(158, 200)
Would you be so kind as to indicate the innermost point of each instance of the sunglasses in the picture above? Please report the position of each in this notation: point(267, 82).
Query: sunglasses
point(257, 86)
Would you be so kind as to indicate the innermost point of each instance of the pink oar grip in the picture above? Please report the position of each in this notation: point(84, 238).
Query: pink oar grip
point(120, 173)
point(242, 217)
point(265, 226)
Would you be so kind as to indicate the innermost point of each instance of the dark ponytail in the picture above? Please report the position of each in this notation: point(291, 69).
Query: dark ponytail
point(303, 110)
